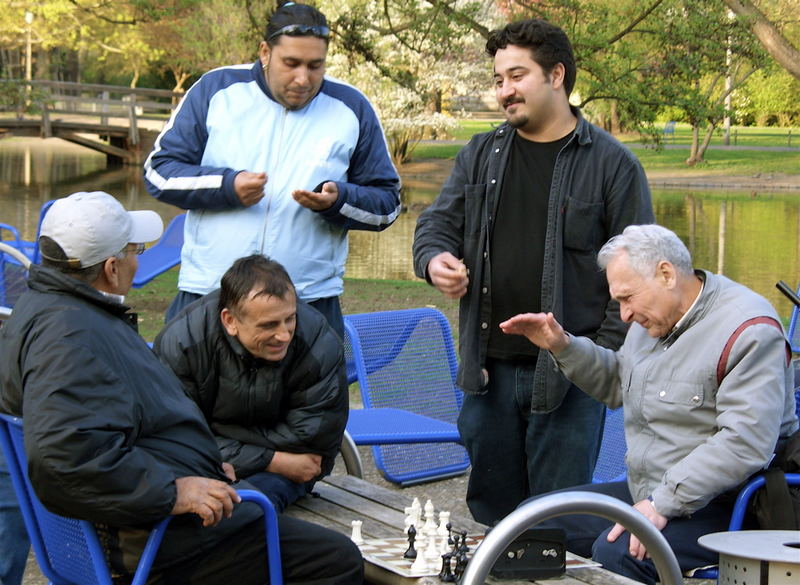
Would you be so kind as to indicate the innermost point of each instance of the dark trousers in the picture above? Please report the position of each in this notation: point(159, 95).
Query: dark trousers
point(516, 454)
point(310, 554)
point(586, 535)
point(328, 306)
point(280, 490)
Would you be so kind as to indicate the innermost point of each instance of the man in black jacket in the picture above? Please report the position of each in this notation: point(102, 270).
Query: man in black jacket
point(268, 373)
point(516, 229)
point(109, 433)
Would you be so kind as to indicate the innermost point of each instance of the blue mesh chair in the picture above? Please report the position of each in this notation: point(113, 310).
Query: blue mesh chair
point(163, 255)
point(405, 365)
point(794, 328)
point(69, 552)
point(13, 277)
point(610, 464)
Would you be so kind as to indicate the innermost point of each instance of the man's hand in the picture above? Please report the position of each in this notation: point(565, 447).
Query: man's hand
point(636, 548)
point(318, 201)
point(210, 499)
point(249, 187)
point(541, 329)
point(449, 275)
point(230, 472)
point(299, 467)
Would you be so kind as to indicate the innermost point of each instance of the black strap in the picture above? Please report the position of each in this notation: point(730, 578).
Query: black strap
point(777, 503)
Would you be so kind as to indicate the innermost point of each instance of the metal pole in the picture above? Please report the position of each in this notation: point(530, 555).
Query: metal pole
point(28, 21)
point(564, 503)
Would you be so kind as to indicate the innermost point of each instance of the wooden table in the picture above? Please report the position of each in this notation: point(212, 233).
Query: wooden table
point(344, 498)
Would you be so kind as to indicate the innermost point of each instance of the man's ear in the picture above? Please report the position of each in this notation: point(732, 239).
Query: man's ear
point(557, 75)
point(263, 54)
point(229, 322)
point(108, 279)
point(666, 274)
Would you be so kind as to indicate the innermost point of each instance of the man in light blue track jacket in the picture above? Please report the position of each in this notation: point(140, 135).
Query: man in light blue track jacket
point(274, 158)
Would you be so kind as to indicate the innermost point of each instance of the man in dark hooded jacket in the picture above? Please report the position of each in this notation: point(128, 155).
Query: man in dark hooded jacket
point(110, 435)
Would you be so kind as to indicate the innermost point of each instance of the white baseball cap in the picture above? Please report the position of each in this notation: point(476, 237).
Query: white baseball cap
point(91, 227)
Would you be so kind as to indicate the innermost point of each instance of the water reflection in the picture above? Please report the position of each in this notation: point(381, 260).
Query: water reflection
point(751, 239)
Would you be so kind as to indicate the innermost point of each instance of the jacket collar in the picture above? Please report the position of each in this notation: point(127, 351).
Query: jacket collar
point(50, 280)
point(700, 308)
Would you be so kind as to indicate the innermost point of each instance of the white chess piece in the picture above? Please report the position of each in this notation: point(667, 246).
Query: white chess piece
point(444, 518)
point(432, 553)
point(356, 534)
point(429, 528)
point(420, 564)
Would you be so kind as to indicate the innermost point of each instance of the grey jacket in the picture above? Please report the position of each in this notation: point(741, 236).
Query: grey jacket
point(598, 189)
point(255, 407)
point(689, 437)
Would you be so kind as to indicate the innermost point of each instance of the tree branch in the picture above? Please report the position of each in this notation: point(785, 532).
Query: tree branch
point(776, 44)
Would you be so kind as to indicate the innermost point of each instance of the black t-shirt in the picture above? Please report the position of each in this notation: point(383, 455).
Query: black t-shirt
point(517, 242)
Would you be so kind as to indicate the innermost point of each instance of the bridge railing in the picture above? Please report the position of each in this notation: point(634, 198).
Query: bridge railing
point(104, 102)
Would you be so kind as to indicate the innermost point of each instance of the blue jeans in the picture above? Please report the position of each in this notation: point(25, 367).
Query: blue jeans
point(516, 454)
point(14, 543)
point(586, 535)
point(280, 490)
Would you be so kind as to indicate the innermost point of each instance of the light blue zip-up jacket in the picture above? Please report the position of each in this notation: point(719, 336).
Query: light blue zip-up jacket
point(229, 122)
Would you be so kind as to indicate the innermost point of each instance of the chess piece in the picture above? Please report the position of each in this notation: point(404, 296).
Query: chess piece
point(463, 548)
point(355, 536)
point(461, 565)
point(429, 528)
point(446, 567)
point(444, 521)
point(420, 565)
point(411, 552)
point(449, 534)
point(432, 550)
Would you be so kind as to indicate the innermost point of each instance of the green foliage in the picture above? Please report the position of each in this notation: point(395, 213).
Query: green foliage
point(770, 98)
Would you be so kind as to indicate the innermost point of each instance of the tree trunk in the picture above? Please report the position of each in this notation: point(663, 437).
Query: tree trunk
point(693, 152)
point(615, 125)
point(768, 35)
point(701, 151)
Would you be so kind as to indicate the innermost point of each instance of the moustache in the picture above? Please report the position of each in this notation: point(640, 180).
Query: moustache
point(510, 101)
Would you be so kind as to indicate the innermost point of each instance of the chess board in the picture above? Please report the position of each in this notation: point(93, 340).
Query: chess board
point(388, 553)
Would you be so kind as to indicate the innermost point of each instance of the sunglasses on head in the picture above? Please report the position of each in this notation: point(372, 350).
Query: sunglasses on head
point(302, 30)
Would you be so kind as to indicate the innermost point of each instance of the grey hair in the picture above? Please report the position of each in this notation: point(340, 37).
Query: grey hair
point(647, 245)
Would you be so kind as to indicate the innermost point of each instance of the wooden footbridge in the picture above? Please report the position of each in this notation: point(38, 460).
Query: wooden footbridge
point(121, 122)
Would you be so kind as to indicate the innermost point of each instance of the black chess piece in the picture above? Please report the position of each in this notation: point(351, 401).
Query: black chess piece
point(411, 552)
point(463, 548)
point(461, 565)
point(446, 574)
point(455, 543)
point(449, 534)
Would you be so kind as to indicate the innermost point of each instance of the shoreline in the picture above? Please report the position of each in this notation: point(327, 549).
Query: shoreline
point(431, 173)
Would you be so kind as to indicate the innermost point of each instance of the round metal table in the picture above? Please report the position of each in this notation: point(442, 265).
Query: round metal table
point(756, 557)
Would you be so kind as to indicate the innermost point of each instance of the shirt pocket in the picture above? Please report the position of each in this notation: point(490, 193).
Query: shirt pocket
point(582, 222)
point(474, 204)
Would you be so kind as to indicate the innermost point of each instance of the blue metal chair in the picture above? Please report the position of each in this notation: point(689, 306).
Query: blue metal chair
point(13, 277)
point(162, 256)
point(794, 328)
point(15, 241)
point(405, 365)
point(69, 552)
point(610, 464)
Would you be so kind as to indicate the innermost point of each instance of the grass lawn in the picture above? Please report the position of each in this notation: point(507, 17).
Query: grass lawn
point(748, 162)
point(360, 296)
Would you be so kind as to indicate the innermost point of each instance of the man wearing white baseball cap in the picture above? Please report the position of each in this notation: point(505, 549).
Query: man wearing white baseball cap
point(110, 435)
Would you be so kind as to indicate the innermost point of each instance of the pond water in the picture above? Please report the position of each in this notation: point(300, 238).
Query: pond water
point(753, 239)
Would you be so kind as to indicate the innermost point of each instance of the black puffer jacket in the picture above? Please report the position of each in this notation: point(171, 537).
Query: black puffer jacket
point(256, 407)
point(108, 428)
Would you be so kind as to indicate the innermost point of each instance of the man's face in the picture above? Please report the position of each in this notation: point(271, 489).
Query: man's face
point(524, 92)
point(127, 267)
point(295, 68)
point(652, 302)
point(263, 324)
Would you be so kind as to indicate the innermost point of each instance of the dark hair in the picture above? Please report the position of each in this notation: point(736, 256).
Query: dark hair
point(296, 20)
point(53, 256)
point(249, 273)
point(548, 44)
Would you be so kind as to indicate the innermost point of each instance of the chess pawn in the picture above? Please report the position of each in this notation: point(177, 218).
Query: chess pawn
point(420, 564)
point(446, 569)
point(356, 534)
point(410, 519)
point(429, 528)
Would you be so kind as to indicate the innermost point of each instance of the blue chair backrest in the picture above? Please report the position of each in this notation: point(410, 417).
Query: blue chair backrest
point(611, 460)
point(794, 327)
point(36, 257)
point(13, 275)
point(406, 359)
point(62, 550)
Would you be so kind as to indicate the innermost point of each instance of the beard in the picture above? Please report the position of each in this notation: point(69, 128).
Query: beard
point(516, 120)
